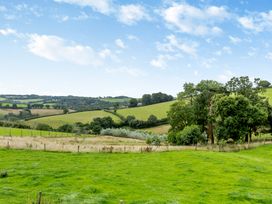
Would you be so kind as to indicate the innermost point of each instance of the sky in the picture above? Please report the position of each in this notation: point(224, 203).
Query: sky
point(117, 47)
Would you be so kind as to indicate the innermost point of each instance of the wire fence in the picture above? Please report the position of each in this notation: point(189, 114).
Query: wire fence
point(78, 145)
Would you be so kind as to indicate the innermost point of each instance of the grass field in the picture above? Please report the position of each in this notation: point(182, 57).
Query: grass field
point(84, 117)
point(142, 113)
point(268, 94)
point(5, 131)
point(161, 129)
point(158, 178)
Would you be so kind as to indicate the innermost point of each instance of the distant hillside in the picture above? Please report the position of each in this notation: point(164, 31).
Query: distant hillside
point(142, 113)
point(268, 94)
point(59, 120)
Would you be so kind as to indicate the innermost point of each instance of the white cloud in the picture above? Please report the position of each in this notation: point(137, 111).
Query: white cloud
point(208, 62)
point(161, 61)
point(132, 13)
point(119, 43)
point(193, 20)
point(128, 71)
point(132, 37)
point(55, 48)
point(226, 76)
point(7, 31)
point(257, 22)
point(269, 56)
point(102, 6)
point(234, 40)
point(224, 50)
point(173, 44)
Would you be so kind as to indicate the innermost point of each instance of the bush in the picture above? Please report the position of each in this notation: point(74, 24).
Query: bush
point(188, 136)
point(44, 127)
point(66, 128)
point(99, 123)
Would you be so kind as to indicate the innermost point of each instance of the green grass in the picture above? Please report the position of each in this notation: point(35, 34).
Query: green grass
point(142, 113)
point(268, 94)
point(2, 99)
point(5, 131)
point(158, 178)
point(84, 117)
point(161, 129)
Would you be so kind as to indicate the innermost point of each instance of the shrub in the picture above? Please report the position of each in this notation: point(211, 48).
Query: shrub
point(188, 136)
point(66, 128)
point(150, 138)
point(45, 127)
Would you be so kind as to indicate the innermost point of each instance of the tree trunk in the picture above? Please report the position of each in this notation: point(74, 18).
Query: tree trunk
point(210, 133)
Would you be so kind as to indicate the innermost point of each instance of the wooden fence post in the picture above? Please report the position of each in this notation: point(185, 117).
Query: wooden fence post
point(39, 200)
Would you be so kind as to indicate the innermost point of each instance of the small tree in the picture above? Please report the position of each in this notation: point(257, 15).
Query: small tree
point(133, 102)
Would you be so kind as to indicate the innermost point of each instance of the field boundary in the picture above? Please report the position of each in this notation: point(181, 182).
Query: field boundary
point(78, 145)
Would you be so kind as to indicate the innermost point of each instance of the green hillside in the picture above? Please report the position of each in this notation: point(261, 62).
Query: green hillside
point(84, 117)
point(169, 177)
point(268, 94)
point(142, 113)
point(6, 131)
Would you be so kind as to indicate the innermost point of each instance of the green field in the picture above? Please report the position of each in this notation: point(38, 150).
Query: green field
point(159, 178)
point(5, 131)
point(161, 129)
point(84, 117)
point(268, 94)
point(142, 113)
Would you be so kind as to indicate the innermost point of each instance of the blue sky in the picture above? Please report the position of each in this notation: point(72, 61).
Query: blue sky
point(111, 47)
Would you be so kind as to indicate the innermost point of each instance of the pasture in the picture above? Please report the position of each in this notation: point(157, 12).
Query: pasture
point(161, 129)
point(268, 94)
point(18, 132)
point(142, 113)
point(169, 177)
point(84, 117)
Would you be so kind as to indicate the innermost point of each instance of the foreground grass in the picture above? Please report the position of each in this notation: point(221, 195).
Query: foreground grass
point(142, 113)
point(84, 117)
point(171, 177)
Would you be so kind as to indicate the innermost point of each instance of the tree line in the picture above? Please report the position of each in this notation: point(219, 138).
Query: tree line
point(212, 111)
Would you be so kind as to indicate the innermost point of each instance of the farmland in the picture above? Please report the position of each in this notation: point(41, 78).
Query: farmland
point(84, 117)
point(142, 113)
point(181, 177)
point(268, 94)
point(5, 131)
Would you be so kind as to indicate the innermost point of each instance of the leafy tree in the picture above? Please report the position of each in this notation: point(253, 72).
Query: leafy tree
point(189, 91)
point(236, 117)
point(133, 102)
point(188, 136)
point(65, 110)
point(180, 115)
point(146, 99)
point(66, 128)
point(152, 119)
point(264, 84)
point(44, 127)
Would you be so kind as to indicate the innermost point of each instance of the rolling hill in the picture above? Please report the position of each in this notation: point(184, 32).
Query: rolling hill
point(59, 120)
point(142, 113)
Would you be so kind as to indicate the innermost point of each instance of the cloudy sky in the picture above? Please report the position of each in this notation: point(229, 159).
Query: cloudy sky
point(118, 47)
